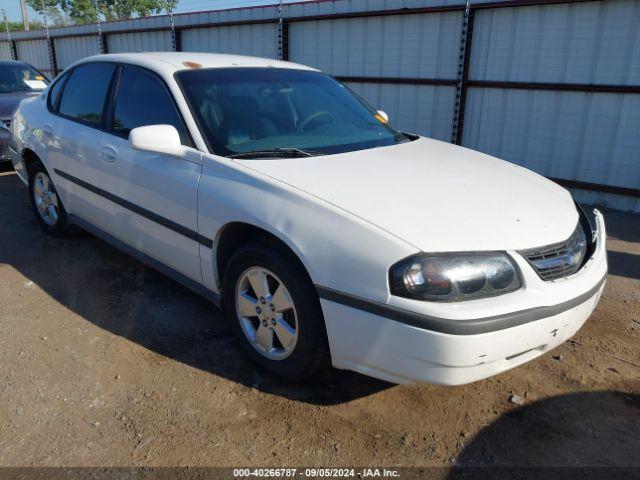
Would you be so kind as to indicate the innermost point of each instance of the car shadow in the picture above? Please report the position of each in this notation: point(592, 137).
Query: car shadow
point(624, 264)
point(121, 295)
point(625, 227)
point(597, 434)
point(622, 225)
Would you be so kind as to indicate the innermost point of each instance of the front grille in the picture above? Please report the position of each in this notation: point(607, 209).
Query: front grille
point(560, 259)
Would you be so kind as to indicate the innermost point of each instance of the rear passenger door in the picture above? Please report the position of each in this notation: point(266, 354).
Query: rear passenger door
point(73, 135)
point(155, 208)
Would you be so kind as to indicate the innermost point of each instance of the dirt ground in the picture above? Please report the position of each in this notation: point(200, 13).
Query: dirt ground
point(104, 362)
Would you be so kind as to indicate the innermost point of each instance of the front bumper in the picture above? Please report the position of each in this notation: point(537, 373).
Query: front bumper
point(383, 343)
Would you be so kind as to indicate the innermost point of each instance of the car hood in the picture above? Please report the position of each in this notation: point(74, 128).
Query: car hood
point(437, 196)
point(9, 101)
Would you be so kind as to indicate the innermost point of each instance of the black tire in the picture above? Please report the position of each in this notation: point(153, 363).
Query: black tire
point(61, 227)
point(311, 351)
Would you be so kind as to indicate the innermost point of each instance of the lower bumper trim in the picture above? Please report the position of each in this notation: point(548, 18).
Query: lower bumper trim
point(473, 326)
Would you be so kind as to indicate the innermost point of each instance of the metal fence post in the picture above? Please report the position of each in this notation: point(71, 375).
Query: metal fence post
point(6, 26)
point(285, 40)
point(14, 50)
point(282, 49)
point(177, 40)
point(104, 45)
point(463, 73)
point(176, 37)
point(51, 49)
point(53, 61)
point(102, 41)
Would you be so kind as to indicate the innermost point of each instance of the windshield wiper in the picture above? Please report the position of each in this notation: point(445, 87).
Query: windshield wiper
point(275, 152)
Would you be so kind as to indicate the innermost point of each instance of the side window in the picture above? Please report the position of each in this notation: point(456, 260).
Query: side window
point(142, 100)
point(55, 90)
point(85, 92)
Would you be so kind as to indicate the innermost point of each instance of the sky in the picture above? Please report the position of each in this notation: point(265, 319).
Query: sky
point(12, 7)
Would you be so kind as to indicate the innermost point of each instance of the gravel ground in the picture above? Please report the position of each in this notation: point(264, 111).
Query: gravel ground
point(104, 362)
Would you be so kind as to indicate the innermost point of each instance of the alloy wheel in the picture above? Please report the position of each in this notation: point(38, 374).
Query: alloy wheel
point(266, 313)
point(46, 199)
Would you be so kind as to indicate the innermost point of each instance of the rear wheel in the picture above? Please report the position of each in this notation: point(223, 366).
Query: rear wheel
point(46, 204)
point(270, 300)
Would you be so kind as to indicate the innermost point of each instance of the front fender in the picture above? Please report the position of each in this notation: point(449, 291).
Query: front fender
point(338, 249)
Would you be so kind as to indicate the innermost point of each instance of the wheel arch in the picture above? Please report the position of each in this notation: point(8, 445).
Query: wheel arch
point(234, 234)
point(29, 159)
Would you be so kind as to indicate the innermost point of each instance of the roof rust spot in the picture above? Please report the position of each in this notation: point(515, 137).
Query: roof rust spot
point(192, 64)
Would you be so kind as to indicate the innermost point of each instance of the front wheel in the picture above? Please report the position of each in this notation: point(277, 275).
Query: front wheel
point(270, 300)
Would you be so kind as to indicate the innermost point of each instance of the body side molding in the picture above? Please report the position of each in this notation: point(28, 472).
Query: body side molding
point(143, 212)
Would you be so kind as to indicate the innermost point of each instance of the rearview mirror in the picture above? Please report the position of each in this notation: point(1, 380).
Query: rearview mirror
point(157, 138)
point(384, 116)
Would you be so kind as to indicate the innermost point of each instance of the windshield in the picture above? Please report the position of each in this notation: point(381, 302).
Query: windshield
point(246, 110)
point(21, 78)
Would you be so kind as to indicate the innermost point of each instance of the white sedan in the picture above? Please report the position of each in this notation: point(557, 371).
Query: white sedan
point(325, 234)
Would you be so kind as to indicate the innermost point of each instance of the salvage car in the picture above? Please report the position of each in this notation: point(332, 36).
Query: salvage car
point(18, 80)
point(326, 235)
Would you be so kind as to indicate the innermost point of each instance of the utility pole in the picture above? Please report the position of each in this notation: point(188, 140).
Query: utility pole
point(25, 20)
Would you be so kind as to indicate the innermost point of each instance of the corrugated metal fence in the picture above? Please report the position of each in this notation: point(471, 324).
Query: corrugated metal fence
point(553, 85)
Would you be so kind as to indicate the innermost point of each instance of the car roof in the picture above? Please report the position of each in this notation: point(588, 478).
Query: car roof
point(170, 62)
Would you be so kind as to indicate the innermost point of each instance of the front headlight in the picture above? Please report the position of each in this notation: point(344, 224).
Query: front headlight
point(453, 277)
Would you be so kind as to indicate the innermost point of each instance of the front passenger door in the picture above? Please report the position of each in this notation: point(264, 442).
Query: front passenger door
point(156, 193)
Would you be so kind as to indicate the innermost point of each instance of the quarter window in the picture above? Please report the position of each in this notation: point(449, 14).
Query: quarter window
point(54, 91)
point(142, 100)
point(84, 95)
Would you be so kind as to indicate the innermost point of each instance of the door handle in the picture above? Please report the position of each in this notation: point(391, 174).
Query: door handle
point(108, 154)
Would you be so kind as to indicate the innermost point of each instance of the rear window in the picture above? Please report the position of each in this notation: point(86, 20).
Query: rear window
point(85, 93)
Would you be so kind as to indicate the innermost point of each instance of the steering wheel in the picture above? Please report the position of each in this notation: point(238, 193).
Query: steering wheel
point(313, 116)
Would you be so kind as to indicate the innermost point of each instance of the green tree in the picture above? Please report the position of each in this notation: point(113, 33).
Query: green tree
point(19, 26)
point(87, 11)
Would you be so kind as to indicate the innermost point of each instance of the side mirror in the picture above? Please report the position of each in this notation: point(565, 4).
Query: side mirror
point(384, 116)
point(157, 138)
